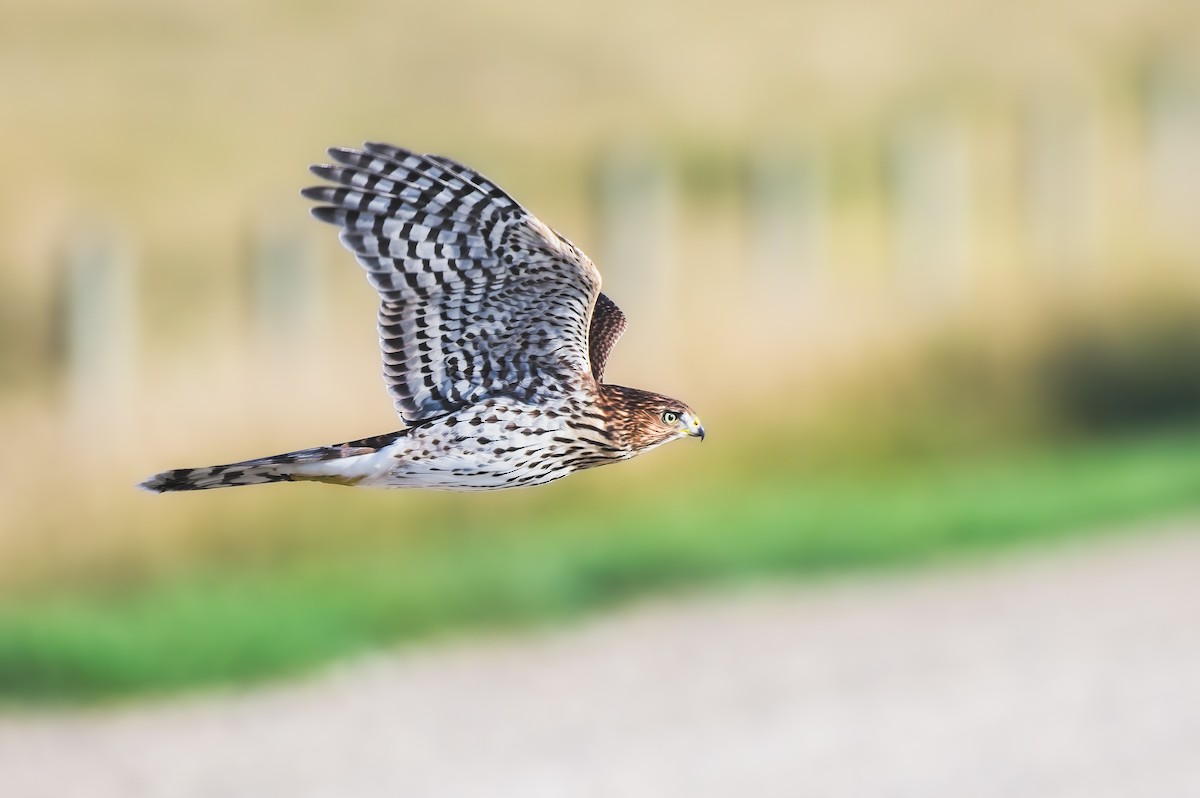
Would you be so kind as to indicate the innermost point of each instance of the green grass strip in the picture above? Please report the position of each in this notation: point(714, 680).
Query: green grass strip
point(236, 624)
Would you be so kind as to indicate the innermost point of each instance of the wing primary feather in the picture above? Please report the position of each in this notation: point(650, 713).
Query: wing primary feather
point(478, 297)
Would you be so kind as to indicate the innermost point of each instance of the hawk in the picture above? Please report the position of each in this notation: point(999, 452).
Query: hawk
point(494, 335)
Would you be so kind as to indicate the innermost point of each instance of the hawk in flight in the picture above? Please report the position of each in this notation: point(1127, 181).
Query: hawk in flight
point(494, 335)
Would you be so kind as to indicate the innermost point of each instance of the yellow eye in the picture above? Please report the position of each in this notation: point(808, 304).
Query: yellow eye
point(670, 417)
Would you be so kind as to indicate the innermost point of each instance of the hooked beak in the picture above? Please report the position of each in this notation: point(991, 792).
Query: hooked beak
point(696, 429)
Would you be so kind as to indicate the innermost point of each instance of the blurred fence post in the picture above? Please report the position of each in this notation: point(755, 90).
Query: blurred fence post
point(1060, 180)
point(930, 190)
point(635, 199)
point(95, 325)
point(1172, 119)
point(286, 290)
point(788, 224)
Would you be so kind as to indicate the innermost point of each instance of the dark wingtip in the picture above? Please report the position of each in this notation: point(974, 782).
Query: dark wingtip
point(325, 214)
point(386, 150)
point(315, 193)
point(337, 153)
point(318, 169)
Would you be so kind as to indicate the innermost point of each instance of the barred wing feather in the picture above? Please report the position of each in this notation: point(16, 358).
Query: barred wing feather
point(478, 297)
point(608, 322)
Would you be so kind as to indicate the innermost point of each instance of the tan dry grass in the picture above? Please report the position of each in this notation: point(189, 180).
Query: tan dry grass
point(182, 126)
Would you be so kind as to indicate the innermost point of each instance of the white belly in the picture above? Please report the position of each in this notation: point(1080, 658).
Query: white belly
point(522, 447)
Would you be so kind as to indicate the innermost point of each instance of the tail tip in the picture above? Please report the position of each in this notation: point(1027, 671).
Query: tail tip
point(167, 481)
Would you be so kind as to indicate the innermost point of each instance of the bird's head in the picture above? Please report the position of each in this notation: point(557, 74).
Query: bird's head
point(644, 419)
point(674, 419)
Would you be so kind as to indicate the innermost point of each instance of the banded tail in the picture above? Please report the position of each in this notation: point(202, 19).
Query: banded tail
point(306, 464)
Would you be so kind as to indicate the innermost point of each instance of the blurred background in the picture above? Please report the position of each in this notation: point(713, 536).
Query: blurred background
point(929, 272)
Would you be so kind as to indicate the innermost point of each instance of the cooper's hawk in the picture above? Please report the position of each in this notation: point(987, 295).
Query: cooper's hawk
point(494, 334)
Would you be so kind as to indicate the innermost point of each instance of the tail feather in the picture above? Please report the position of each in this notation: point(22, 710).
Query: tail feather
point(289, 467)
point(220, 476)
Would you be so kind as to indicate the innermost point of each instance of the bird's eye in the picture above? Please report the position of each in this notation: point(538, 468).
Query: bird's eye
point(670, 417)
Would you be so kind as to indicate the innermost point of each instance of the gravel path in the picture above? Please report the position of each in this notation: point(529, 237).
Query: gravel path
point(1071, 673)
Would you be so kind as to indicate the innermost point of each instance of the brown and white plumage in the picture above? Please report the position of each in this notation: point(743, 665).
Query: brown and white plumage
point(494, 335)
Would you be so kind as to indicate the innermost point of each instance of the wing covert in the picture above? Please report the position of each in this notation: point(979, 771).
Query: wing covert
point(608, 322)
point(477, 296)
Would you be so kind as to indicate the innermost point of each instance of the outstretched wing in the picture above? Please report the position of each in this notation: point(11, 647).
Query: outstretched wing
point(608, 322)
point(478, 297)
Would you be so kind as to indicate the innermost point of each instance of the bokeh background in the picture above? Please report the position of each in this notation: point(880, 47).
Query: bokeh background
point(929, 272)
